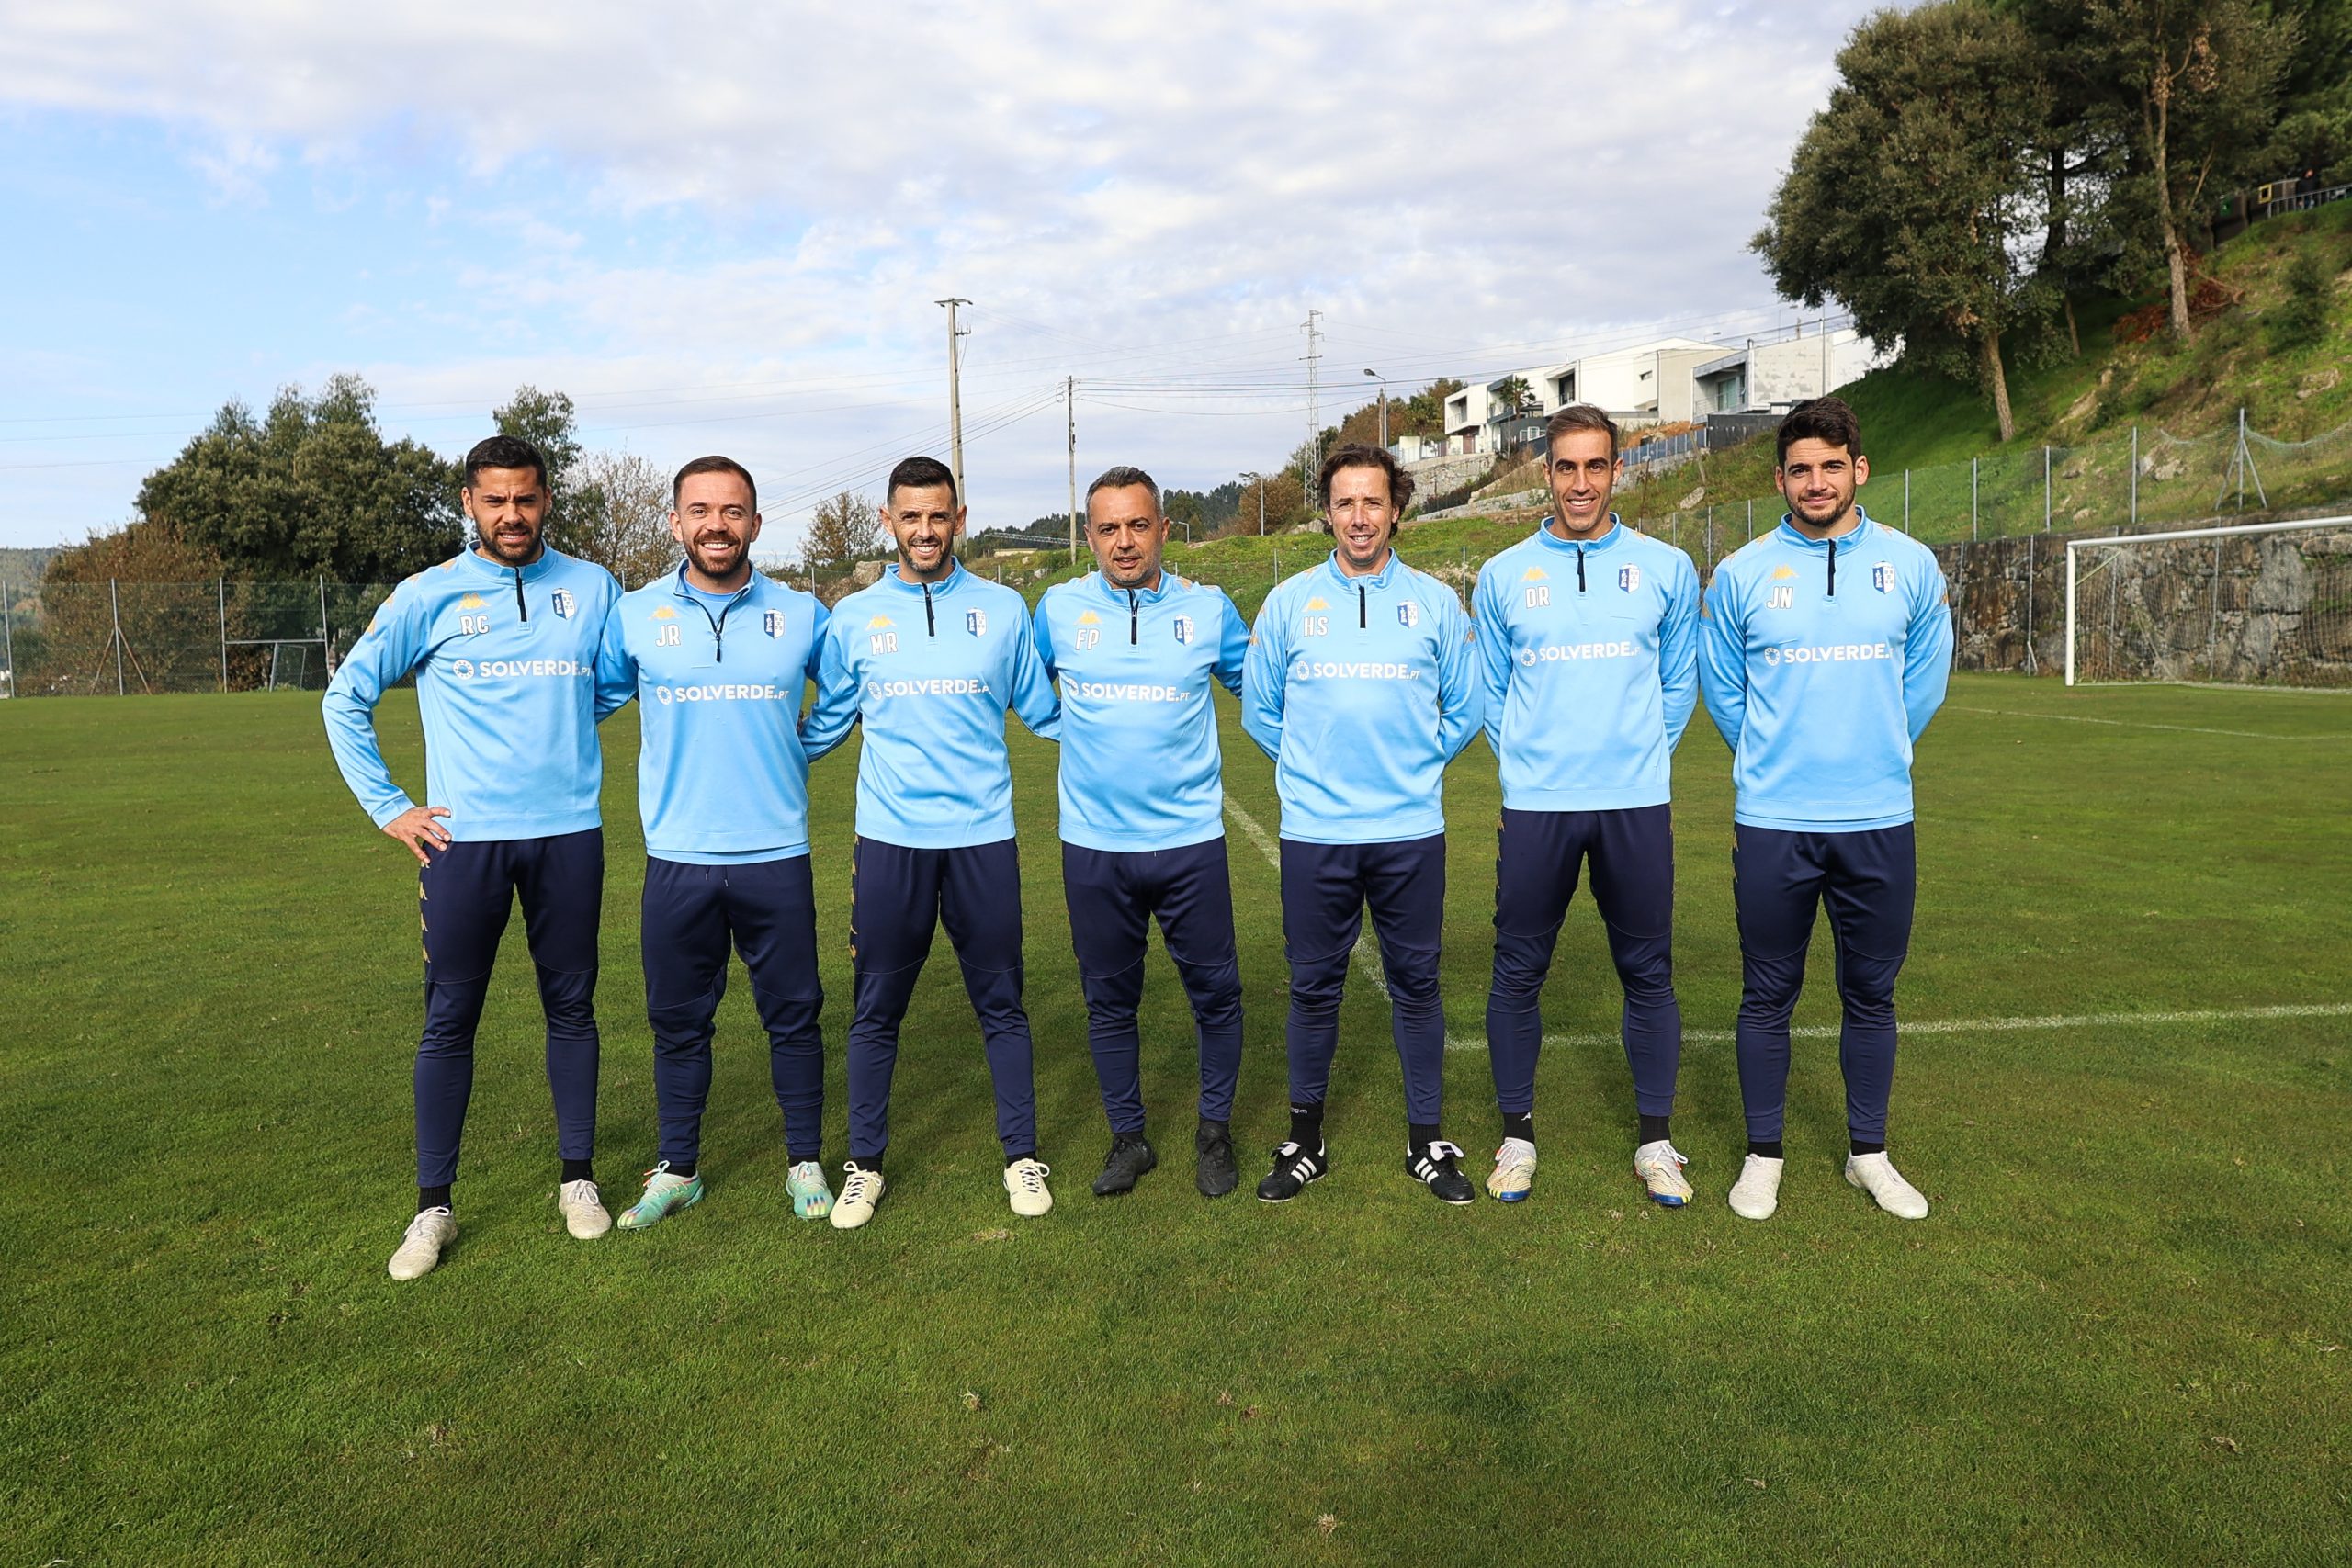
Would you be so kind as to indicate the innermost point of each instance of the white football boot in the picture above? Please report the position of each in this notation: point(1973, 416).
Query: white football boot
point(1876, 1175)
point(1514, 1173)
point(583, 1209)
point(1025, 1183)
point(861, 1189)
point(419, 1249)
point(1757, 1192)
point(1659, 1165)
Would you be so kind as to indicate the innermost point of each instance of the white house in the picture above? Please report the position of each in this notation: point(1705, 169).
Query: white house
point(1771, 373)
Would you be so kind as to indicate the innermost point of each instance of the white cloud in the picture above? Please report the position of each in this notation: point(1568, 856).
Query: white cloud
point(1437, 180)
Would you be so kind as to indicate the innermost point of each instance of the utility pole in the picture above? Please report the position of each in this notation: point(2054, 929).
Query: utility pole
point(1069, 401)
point(955, 400)
point(1384, 403)
point(1311, 456)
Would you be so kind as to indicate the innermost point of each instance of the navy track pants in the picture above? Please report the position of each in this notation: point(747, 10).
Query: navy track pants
point(1868, 880)
point(1326, 889)
point(897, 897)
point(692, 915)
point(1631, 855)
point(1113, 898)
point(465, 894)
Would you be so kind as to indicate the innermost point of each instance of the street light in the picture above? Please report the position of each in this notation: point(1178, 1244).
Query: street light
point(1258, 479)
point(1384, 404)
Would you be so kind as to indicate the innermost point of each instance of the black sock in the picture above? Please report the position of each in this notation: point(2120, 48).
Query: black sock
point(1654, 1130)
point(1306, 1125)
point(1768, 1148)
point(853, 1163)
point(798, 1157)
point(579, 1170)
point(1011, 1160)
point(1521, 1125)
point(432, 1198)
point(1860, 1147)
point(1419, 1135)
point(683, 1172)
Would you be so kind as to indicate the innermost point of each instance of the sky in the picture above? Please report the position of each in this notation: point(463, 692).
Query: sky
point(723, 225)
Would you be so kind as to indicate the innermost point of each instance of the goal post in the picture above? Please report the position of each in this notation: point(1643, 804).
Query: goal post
point(2250, 603)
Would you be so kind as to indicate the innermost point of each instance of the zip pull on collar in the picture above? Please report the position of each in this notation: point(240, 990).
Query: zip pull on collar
point(521, 604)
point(1364, 608)
point(1833, 568)
point(1579, 568)
point(930, 621)
point(1135, 618)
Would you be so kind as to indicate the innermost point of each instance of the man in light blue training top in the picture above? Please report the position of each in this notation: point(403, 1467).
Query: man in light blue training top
point(1587, 642)
point(1136, 653)
point(1825, 647)
point(1361, 683)
point(929, 660)
point(503, 642)
point(718, 656)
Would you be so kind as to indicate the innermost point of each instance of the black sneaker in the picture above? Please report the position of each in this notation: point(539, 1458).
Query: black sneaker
point(1432, 1165)
point(1213, 1171)
point(1294, 1168)
point(1129, 1157)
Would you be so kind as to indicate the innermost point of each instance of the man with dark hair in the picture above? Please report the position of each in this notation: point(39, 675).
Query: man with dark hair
point(1824, 649)
point(503, 642)
point(928, 659)
point(1361, 684)
point(723, 792)
point(1589, 647)
point(1137, 652)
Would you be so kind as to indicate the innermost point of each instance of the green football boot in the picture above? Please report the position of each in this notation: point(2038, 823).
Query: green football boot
point(811, 1198)
point(664, 1194)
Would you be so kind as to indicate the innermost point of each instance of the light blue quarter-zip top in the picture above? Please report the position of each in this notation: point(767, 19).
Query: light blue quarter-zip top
point(1361, 689)
point(1135, 670)
point(505, 666)
point(1822, 661)
point(1589, 654)
point(719, 680)
point(930, 670)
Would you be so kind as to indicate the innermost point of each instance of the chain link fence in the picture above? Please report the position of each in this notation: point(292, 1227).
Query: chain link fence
point(117, 637)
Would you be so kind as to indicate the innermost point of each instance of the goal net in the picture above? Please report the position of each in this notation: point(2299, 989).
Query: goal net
point(2261, 604)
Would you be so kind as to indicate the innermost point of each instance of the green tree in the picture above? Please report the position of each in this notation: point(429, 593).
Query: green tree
point(309, 489)
point(2314, 130)
point(1910, 198)
point(620, 516)
point(1423, 413)
point(1514, 394)
point(2199, 82)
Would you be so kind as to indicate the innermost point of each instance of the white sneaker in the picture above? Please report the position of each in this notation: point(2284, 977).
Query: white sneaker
point(861, 1189)
point(419, 1249)
point(1659, 1164)
point(1876, 1175)
point(1024, 1182)
point(1757, 1192)
point(1514, 1171)
point(583, 1209)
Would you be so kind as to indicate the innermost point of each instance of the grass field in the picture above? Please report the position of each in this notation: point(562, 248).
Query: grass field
point(2122, 1338)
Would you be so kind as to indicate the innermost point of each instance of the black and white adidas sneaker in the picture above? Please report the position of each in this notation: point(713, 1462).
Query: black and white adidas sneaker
point(1432, 1165)
point(1295, 1166)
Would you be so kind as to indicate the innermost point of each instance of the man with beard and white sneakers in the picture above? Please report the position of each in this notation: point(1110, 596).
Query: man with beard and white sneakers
point(718, 656)
point(503, 643)
point(1824, 649)
point(929, 660)
point(1361, 683)
point(1137, 652)
point(1587, 643)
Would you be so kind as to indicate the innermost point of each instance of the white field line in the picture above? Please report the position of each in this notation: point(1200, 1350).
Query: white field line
point(2139, 724)
point(1366, 956)
point(1988, 1025)
point(1368, 959)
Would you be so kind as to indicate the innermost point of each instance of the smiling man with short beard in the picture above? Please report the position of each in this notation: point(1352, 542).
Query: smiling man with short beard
point(718, 656)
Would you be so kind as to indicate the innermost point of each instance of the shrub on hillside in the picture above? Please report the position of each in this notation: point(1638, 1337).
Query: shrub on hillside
point(2300, 318)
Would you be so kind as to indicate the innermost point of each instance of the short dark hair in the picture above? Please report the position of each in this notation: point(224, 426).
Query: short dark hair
point(1820, 419)
point(504, 452)
point(920, 473)
point(1579, 416)
point(1125, 478)
point(1362, 454)
point(714, 464)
